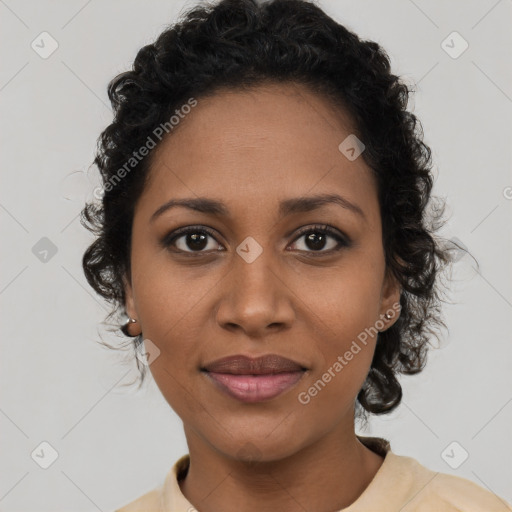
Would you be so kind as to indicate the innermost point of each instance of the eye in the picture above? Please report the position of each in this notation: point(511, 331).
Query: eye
point(191, 237)
point(317, 237)
point(194, 239)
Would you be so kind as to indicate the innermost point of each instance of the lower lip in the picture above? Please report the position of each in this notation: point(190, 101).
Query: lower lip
point(255, 388)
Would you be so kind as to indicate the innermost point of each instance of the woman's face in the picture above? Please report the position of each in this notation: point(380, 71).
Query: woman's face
point(259, 286)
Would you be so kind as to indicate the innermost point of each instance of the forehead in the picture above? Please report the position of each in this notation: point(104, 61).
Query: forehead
point(255, 147)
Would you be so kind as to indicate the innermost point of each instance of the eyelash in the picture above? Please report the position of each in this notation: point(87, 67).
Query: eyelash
point(343, 241)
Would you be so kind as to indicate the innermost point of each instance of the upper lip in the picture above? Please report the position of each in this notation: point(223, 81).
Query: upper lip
point(245, 365)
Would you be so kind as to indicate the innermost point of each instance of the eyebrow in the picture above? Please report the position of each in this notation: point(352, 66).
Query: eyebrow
point(286, 207)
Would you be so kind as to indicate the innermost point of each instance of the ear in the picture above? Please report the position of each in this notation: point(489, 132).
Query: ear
point(390, 299)
point(129, 302)
point(129, 329)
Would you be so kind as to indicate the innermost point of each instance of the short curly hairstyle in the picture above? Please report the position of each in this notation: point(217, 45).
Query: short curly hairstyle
point(236, 44)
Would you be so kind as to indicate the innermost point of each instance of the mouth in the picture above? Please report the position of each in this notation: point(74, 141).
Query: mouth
point(255, 388)
point(254, 379)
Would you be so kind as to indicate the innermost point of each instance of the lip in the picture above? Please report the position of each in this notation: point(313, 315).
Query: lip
point(246, 365)
point(255, 388)
point(254, 379)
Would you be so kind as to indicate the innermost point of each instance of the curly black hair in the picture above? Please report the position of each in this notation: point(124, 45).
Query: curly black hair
point(237, 44)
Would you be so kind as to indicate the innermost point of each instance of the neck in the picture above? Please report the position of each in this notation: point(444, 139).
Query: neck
point(327, 475)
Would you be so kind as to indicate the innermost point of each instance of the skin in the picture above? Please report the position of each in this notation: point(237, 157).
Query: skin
point(250, 150)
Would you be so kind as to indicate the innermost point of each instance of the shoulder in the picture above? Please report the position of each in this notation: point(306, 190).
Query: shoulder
point(463, 494)
point(149, 502)
point(166, 496)
point(430, 490)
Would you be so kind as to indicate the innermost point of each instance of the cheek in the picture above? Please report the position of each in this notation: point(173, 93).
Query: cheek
point(169, 298)
point(171, 319)
point(328, 397)
point(176, 371)
point(344, 336)
point(339, 378)
point(345, 304)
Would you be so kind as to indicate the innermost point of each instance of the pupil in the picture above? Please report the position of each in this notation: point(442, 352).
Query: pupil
point(316, 239)
point(198, 241)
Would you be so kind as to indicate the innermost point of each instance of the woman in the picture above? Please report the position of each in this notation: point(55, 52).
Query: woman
point(264, 227)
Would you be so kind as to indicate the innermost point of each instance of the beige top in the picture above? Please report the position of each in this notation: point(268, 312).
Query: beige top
point(401, 484)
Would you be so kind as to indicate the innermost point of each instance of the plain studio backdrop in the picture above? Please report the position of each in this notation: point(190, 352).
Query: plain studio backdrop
point(61, 403)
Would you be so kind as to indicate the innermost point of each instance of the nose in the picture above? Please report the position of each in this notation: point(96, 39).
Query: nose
point(255, 297)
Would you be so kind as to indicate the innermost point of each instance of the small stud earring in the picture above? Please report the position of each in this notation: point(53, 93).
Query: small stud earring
point(124, 327)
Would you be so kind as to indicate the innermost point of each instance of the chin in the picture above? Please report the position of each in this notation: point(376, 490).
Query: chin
point(258, 446)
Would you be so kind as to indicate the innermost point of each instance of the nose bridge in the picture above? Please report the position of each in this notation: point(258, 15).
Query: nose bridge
point(255, 270)
point(253, 299)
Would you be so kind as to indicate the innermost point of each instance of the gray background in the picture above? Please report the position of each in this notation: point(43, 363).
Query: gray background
point(58, 385)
